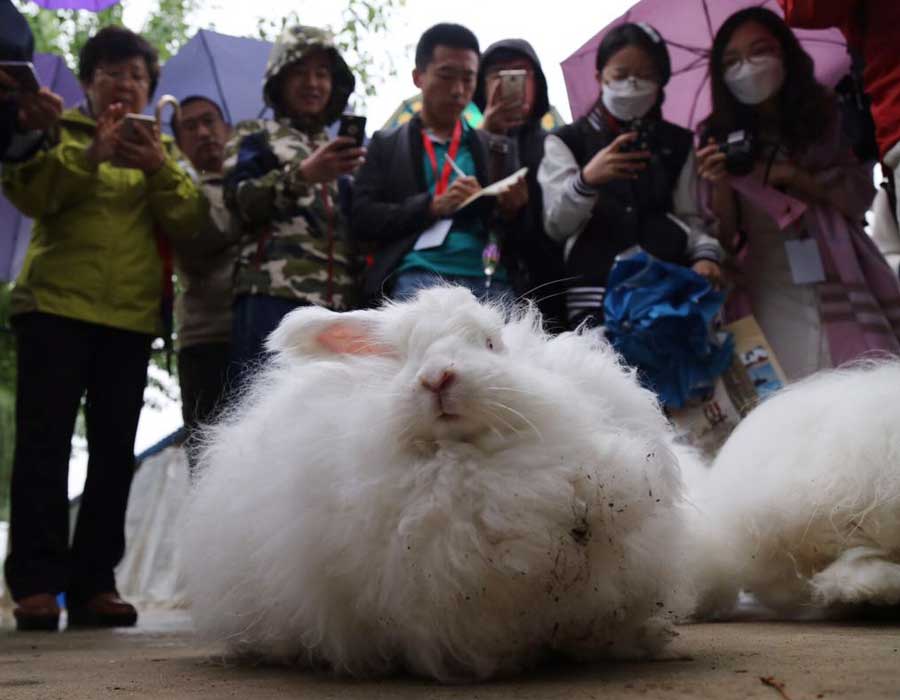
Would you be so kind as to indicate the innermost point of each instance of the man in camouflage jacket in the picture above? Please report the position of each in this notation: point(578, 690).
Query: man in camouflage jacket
point(281, 184)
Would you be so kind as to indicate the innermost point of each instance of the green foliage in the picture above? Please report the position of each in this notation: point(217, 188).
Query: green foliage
point(170, 26)
point(64, 32)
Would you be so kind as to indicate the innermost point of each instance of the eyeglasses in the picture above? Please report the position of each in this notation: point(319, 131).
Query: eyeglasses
point(756, 54)
point(120, 76)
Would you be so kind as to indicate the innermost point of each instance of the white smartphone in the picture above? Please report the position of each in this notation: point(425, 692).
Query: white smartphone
point(23, 73)
point(512, 85)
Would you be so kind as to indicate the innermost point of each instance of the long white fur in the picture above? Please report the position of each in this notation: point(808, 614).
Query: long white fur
point(802, 505)
point(337, 523)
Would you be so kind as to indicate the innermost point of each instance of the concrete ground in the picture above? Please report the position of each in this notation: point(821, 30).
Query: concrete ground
point(159, 659)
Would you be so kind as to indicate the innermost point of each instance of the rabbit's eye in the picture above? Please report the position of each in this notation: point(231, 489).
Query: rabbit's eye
point(490, 344)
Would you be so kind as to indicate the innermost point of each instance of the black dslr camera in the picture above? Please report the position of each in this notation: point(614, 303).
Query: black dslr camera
point(739, 148)
point(646, 136)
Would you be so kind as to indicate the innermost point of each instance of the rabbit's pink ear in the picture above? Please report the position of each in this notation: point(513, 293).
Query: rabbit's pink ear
point(350, 337)
point(314, 331)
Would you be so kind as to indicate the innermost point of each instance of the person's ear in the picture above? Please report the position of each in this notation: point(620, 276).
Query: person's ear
point(417, 77)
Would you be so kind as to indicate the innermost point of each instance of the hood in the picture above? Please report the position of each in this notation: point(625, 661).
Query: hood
point(521, 47)
point(295, 43)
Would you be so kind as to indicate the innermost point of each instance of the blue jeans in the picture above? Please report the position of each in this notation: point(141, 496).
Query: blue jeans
point(409, 282)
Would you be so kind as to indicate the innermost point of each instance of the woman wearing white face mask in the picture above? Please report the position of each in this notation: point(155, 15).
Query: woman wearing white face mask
point(809, 275)
point(622, 176)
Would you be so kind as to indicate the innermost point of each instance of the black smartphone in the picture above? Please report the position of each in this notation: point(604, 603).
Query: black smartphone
point(353, 126)
point(23, 73)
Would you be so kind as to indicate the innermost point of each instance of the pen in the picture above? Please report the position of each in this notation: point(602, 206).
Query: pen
point(456, 168)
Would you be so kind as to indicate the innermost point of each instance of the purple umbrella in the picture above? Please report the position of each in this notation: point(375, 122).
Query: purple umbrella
point(92, 5)
point(226, 69)
point(688, 28)
point(15, 229)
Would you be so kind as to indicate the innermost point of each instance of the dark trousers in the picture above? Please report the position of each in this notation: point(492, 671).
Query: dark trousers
point(61, 360)
point(203, 376)
point(255, 317)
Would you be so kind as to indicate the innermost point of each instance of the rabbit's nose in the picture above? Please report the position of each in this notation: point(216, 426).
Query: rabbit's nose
point(439, 381)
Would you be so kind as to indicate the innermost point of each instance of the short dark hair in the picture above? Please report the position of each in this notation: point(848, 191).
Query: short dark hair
point(806, 108)
point(455, 36)
point(189, 100)
point(116, 44)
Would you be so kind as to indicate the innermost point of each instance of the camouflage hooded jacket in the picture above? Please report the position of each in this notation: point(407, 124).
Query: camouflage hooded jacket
point(294, 239)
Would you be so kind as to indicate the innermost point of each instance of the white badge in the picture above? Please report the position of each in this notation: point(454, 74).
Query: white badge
point(805, 261)
point(434, 236)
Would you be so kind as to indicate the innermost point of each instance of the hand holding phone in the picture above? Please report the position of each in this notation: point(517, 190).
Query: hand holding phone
point(512, 86)
point(133, 125)
point(353, 126)
point(506, 108)
point(138, 145)
point(22, 75)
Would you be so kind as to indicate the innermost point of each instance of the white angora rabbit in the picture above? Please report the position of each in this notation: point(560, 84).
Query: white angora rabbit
point(802, 505)
point(428, 487)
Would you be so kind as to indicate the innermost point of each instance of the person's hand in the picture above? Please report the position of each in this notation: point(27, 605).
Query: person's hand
point(7, 84)
point(38, 111)
point(709, 270)
point(610, 164)
point(782, 174)
point(145, 152)
point(711, 163)
point(512, 200)
point(103, 147)
point(331, 160)
point(459, 191)
point(501, 115)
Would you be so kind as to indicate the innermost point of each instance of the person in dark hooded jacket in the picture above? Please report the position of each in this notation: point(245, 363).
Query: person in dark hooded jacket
point(23, 117)
point(522, 122)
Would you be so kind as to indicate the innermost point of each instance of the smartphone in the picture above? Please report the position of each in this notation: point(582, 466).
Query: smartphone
point(23, 73)
point(512, 85)
point(353, 126)
point(132, 122)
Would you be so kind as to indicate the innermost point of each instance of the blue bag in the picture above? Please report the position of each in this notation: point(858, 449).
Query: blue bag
point(659, 317)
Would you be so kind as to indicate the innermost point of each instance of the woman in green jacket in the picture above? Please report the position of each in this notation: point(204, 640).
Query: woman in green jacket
point(86, 307)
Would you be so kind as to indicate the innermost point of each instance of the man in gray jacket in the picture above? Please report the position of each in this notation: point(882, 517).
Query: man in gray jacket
point(205, 269)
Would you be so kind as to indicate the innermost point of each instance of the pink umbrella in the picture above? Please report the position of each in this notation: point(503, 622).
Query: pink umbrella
point(688, 28)
point(92, 5)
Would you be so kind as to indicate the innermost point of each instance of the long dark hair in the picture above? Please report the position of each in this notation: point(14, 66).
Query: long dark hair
point(805, 107)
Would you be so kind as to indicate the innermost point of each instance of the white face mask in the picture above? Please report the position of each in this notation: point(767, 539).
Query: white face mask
point(753, 83)
point(629, 99)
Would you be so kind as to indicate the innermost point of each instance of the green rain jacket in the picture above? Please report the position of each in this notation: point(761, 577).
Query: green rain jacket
point(94, 253)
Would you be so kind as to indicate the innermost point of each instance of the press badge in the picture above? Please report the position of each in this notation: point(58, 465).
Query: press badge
point(434, 236)
point(805, 260)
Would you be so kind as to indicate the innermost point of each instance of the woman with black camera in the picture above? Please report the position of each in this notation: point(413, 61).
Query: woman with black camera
point(621, 176)
point(790, 197)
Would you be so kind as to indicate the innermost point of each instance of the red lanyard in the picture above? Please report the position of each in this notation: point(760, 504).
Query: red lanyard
point(440, 185)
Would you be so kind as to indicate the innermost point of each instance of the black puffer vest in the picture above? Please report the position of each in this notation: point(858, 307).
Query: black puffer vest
point(628, 212)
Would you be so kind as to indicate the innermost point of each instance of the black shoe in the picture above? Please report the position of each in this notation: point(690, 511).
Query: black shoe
point(103, 610)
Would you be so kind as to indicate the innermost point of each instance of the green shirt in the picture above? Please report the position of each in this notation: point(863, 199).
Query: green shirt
point(460, 253)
